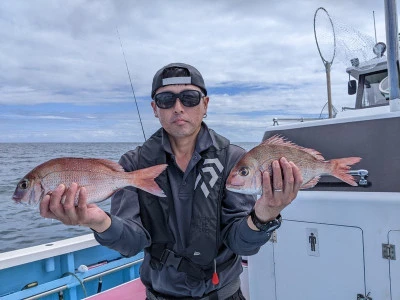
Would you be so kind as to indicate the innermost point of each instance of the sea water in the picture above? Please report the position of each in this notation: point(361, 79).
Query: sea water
point(22, 226)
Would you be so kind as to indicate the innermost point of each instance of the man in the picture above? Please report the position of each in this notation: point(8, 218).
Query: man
point(193, 238)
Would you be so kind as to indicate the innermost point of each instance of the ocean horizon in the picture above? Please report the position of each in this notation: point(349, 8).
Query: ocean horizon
point(22, 226)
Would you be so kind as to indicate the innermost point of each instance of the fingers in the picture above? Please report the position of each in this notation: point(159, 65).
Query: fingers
point(55, 205)
point(277, 176)
point(82, 207)
point(288, 178)
point(282, 177)
point(298, 178)
point(283, 181)
point(267, 189)
point(270, 203)
point(274, 186)
point(44, 208)
point(279, 190)
point(69, 205)
point(60, 204)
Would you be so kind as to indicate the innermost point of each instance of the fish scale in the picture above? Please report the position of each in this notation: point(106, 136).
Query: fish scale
point(90, 179)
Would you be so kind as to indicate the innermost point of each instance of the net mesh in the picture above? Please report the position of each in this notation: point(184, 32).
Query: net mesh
point(348, 45)
point(353, 47)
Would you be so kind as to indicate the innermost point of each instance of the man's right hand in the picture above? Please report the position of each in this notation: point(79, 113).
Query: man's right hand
point(60, 205)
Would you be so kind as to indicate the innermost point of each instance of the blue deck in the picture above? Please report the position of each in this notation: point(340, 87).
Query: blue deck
point(54, 276)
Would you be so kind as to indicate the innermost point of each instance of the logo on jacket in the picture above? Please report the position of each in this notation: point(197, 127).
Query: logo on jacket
point(211, 166)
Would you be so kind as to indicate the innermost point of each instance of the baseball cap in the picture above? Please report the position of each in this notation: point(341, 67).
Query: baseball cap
point(177, 73)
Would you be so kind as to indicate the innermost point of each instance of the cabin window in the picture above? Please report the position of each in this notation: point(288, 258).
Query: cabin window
point(372, 94)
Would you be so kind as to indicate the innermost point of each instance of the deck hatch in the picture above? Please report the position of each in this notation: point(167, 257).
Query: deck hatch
point(319, 253)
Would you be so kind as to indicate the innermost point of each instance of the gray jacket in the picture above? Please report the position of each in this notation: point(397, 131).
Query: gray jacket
point(128, 236)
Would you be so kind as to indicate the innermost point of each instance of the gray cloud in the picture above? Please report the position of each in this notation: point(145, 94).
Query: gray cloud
point(68, 53)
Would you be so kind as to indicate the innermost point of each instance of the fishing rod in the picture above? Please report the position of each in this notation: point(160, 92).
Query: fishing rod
point(130, 80)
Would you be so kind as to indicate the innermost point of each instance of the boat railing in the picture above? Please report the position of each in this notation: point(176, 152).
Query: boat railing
point(73, 280)
point(301, 119)
point(69, 269)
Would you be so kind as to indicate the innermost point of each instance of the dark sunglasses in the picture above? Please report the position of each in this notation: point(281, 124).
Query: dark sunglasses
point(188, 98)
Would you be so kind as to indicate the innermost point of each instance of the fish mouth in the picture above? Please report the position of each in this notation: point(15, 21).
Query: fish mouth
point(234, 186)
point(16, 199)
point(242, 190)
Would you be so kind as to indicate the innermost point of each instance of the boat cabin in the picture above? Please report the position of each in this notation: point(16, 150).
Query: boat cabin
point(372, 89)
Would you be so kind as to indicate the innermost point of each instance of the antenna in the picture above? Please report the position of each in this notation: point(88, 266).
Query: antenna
point(130, 80)
point(373, 14)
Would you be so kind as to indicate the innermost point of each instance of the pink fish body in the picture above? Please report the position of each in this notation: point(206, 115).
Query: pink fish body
point(100, 177)
point(245, 177)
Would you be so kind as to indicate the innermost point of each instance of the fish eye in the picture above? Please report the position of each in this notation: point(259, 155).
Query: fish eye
point(244, 171)
point(24, 184)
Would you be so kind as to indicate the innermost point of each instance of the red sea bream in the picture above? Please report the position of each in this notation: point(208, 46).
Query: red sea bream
point(245, 176)
point(100, 177)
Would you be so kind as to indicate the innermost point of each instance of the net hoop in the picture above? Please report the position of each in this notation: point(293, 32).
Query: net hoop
point(329, 62)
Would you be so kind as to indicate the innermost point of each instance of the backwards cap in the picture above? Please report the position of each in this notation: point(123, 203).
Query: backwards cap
point(177, 73)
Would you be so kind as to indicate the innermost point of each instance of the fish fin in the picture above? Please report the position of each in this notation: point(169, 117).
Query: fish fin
point(282, 141)
point(144, 179)
point(340, 167)
point(310, 184)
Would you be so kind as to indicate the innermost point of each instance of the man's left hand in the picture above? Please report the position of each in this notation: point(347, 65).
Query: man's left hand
point(278, 190)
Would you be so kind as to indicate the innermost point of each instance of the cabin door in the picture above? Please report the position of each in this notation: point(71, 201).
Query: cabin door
point(318, 261)
point(394, 264)
point(261, 273)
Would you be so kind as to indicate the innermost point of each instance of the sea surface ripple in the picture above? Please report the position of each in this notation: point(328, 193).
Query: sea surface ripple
point(22, 226)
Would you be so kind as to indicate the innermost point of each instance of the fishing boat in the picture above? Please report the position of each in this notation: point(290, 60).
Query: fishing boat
point(73, 268)
point(336, 241)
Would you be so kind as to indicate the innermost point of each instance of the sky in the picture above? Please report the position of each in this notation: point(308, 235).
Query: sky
point(63, 76)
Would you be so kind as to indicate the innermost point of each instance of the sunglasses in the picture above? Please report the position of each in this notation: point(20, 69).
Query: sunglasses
point(189, 98)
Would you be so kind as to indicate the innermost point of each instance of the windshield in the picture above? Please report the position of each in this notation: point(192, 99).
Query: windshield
point(372, 94)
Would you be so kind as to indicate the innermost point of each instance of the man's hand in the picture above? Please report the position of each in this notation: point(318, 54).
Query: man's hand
point(278, 191)
point(60, 205)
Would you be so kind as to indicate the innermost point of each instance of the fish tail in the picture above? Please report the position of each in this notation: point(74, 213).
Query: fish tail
point(340, 167)
point(144, 179)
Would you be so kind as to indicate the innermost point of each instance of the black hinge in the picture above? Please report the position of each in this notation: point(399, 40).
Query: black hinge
point(389, 251)
point(362, 297)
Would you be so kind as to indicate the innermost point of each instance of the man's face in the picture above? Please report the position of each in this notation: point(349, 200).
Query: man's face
point(181, 121)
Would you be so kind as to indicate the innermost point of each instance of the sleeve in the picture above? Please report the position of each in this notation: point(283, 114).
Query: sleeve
point(236, 233)
point(126, 233)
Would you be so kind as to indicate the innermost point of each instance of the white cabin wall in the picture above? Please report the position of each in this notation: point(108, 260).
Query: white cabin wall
point(352, 227)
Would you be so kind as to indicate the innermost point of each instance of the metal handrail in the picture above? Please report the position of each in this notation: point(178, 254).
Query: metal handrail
point(301, 119)
point(86, 279)
point(104, 273)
